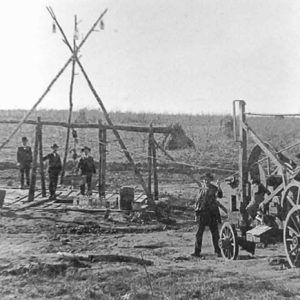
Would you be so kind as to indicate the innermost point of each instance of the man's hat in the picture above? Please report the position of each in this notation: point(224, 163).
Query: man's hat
point(86, 148)
point(24, 138)
point(54, 146)
point(209, 176)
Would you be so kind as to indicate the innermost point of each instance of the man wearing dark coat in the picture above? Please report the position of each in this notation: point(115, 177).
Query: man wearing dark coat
point(54, 169)
point(87, 167)
point(24, 159)
point(208, 214)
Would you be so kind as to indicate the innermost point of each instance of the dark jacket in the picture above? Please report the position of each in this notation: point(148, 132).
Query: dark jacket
point(54, 162)
point(207, 200)
point(24, 156)
point(87, 165)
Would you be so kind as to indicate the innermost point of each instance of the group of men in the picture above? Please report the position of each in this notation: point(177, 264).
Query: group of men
point(206, 209)
point(85, 164)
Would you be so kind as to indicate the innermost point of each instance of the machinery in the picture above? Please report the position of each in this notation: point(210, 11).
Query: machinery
point(278, 218)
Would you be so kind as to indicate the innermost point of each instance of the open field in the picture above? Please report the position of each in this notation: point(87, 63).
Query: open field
point(32, 268)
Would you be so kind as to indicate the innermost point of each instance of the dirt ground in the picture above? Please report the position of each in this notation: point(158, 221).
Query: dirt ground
point(34, 263)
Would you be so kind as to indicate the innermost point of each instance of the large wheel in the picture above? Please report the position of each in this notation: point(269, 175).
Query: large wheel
point(291, 236)
point(228, 242)
point(290, 198)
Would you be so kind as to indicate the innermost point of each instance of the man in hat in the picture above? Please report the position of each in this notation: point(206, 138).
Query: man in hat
point(24, 159)
point(207, 213)
point(87, 167)
point(54, 169)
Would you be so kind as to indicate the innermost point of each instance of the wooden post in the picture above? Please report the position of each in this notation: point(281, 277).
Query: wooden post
point(34, 164)
point(155, 178)
point(102, 159)
point(243, 171)
point(42, 172)
point(70, 106)
point(150, 145)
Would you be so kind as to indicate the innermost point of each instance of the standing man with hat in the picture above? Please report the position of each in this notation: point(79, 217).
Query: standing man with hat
point(87, 166)
point(207, 213)
point(54, 169)
point(24, 159)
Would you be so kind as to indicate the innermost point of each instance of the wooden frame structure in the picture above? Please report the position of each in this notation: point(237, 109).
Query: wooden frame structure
point(102, 135)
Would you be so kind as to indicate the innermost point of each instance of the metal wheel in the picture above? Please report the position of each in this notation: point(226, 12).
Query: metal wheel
point(228, 241)
point(290, 198)
point(291, 236)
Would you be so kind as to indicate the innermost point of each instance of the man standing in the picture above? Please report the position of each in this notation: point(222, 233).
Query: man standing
point(24, 159)
point(87, 166)
point(207, 212)
point(54, 169)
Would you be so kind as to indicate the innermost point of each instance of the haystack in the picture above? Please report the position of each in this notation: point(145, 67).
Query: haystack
point(178, 139)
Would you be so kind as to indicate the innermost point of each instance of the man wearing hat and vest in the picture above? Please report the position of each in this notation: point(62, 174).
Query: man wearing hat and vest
point(87, 166)
point(24, 159)
point(54, 169)
point(207, 213)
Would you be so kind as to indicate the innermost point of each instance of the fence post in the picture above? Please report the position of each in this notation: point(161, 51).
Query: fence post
point(42, 172)
point(34, 164)
point(155, 178)
point(243, 172)
point(150, 145)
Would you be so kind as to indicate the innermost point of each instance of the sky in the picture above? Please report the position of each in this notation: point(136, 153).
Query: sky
point(171, 56)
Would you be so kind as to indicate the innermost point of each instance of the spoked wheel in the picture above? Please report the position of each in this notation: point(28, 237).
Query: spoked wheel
point(290, 198)
point(228, 242)
point(291, 236)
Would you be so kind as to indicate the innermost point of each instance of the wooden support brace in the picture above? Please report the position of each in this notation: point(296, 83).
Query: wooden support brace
point(34, 164)
point(155, 177)
point(42, 171)
point(150, 145)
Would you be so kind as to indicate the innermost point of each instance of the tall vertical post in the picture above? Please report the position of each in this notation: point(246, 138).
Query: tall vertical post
point(42, 172)
point(150, 145)
point(155, 178)
point(34, 164)
point(243, 170)
point(102, 160)
point(70, 104)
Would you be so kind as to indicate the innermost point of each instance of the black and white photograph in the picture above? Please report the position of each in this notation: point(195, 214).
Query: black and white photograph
point(150, 149)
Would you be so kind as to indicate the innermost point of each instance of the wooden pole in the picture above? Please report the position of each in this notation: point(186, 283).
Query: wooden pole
point(102, 159)
point(34, 164)
point(243, 170)
point(155, 177)
point(70, 106)
point(52, 82)
point(104, 138)
point(42, 172)
point(150, 145)
point(130, 128)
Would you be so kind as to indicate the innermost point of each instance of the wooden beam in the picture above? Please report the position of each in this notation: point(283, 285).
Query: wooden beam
point(155, 177)
point(34, 164)
point(42, 172)
point(70, 106)
point(150, 145)
point(102, 159)
point(131, 128)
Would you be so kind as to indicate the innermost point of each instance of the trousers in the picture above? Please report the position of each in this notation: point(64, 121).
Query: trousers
point(88, 181)
point(25, 171)
point(53, 180)
point(207, 219)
